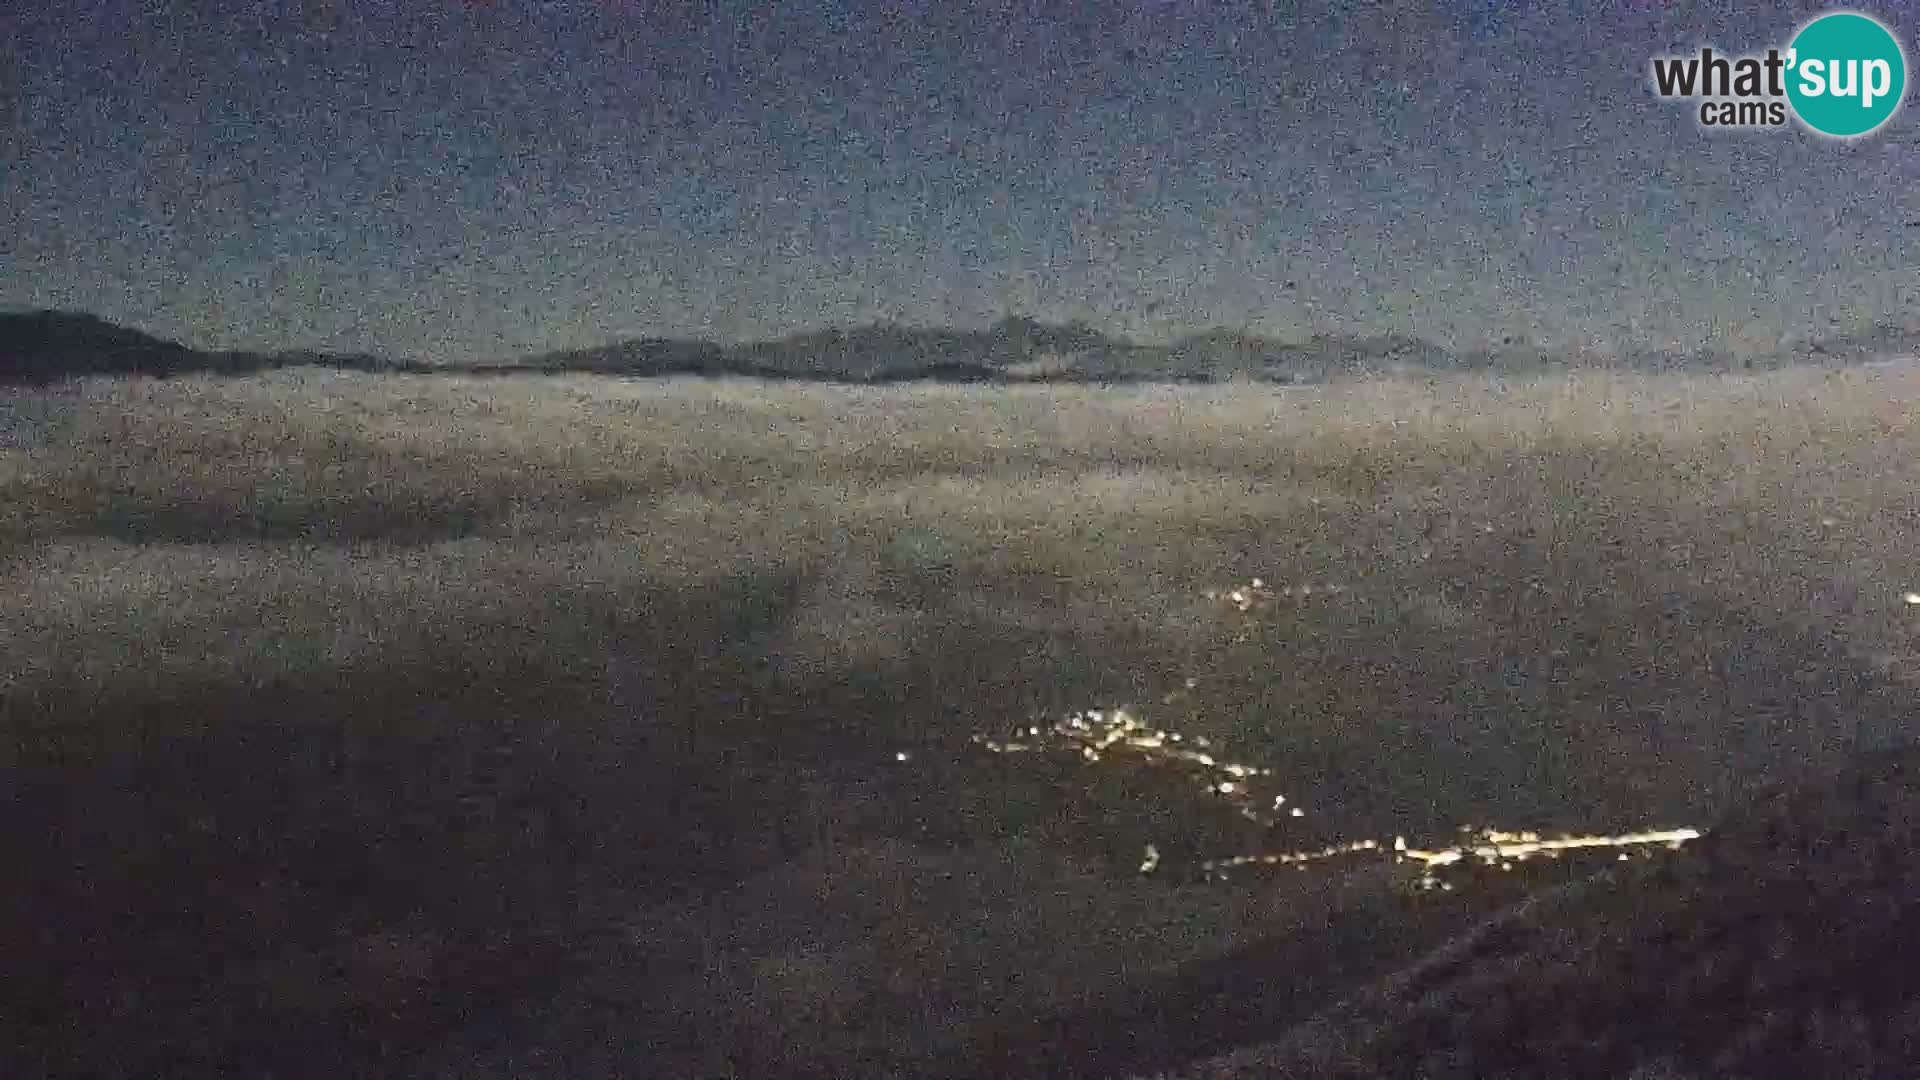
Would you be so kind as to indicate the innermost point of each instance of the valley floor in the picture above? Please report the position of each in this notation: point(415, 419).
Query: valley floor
point(559, 726)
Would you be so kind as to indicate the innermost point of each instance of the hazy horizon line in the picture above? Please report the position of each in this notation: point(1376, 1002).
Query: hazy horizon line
point(1487, 345)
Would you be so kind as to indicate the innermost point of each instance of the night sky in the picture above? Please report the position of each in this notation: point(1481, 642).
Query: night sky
point(438, 179)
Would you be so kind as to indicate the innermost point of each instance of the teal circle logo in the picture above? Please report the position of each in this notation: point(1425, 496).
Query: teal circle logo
point(1846, 75)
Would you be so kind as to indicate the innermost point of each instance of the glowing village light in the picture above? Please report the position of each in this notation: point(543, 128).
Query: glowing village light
point(1151, 861)
point(1093, 732)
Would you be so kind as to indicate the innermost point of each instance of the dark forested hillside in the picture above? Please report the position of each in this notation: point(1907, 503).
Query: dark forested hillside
point(39, 346)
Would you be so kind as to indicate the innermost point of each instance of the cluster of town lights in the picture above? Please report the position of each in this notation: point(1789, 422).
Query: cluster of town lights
point(1119, 736)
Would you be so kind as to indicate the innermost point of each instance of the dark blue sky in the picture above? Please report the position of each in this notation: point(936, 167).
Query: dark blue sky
point(445, 179)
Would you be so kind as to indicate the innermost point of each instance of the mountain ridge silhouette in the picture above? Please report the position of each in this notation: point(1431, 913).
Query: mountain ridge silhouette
point(48, 345)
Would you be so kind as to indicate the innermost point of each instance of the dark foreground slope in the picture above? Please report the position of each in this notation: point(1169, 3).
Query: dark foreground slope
point(1784, 945)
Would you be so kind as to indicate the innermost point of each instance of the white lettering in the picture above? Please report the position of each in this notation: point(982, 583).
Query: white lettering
point(1813, 78)
point(1878, 82)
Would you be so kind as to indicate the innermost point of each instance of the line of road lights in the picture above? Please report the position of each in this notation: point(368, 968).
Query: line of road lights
point(1094, 735)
